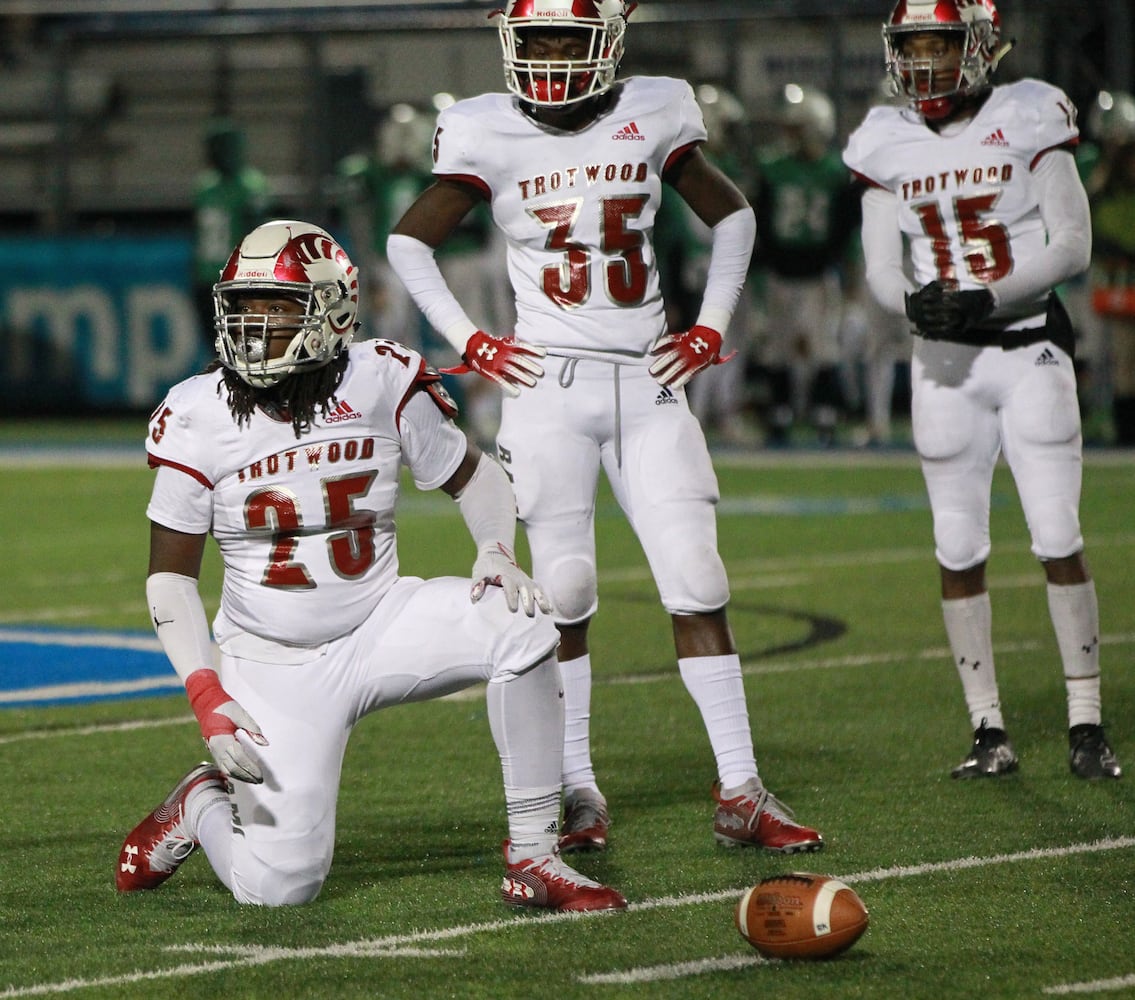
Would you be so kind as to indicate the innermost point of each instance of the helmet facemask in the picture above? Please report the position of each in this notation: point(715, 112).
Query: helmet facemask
point(244, 340)
point(292, 261)
point(557, 83)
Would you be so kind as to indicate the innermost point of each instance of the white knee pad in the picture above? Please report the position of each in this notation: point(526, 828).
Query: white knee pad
point(1055, 530)
point(960, 540)
point(695, 580)
point(291, 883)
point(572, 588)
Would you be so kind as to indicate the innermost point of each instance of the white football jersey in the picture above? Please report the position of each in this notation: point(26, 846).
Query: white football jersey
point(967, 204)
point(577, 208)
point(305, 526)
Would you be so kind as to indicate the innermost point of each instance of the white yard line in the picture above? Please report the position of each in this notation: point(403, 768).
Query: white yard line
point(1096, 986)
point(398, 945)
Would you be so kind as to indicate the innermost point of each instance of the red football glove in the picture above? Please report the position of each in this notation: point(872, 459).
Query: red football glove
point(219, 717)
point(504, 360)
point(682, 355)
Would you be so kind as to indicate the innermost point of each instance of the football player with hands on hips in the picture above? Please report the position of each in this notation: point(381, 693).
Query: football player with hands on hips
point(572, 161)
point(980, 181)
point(288, 450)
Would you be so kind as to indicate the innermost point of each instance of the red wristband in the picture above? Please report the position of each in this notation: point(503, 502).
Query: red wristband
point(205, 696)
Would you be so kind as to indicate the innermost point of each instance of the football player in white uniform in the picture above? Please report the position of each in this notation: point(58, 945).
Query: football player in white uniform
point(572, 163)
point(288, 451)
point(981, 182)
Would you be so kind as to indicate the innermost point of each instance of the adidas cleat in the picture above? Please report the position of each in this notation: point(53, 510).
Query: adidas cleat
point(547, 882)
point(755, 817)
point(1089, 754)
point(157, 846)
point(991, 755)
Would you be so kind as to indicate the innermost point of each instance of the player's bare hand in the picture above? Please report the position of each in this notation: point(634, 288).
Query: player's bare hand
point(220, 717)
point(508, 362)
point(680, 356)
point(496, 567)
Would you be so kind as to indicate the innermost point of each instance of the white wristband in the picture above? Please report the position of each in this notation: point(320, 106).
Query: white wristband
point(179, 619)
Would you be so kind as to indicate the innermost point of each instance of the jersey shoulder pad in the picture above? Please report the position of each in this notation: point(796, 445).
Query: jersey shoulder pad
point(1046, 107)
point(466, 132)
point(869, 146)
point(430, 382)
point(185, 428)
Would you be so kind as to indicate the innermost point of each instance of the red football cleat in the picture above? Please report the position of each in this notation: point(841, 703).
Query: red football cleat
point(585, 822)
point(757, 818)
point(157, 846)
point(547, 882)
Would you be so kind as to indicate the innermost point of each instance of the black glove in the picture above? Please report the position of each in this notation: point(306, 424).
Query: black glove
point(941, 313)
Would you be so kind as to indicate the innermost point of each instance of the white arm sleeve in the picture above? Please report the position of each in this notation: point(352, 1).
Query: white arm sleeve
point(732, 247)
point(1067, 219)
point(179, 619)
point(489, 507)
point(883, 250)
point(413, 262)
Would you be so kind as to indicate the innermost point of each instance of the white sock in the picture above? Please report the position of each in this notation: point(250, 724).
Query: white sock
point(578, 769)
point(715, 684)
point(1076, 619)
point(526, 720)
point(212, 826)
point(969, 628)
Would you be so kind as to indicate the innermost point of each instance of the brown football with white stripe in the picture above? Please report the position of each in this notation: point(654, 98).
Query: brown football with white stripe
point(801, 915)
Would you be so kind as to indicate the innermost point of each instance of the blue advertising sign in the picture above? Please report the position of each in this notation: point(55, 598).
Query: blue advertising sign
point(95, 322)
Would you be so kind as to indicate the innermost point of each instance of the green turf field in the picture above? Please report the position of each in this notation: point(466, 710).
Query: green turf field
point(1016, 888)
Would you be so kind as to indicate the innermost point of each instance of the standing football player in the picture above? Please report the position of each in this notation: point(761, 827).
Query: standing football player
point(572, 163)
point(806, 218)
point(289, 452)
point(981, 181)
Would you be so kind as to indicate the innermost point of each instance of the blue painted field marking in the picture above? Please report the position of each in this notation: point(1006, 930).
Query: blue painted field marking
point(54, 667)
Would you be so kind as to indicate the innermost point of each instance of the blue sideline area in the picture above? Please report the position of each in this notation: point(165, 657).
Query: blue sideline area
point(58, 667)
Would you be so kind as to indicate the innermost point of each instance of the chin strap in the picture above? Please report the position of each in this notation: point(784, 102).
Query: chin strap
point(1003, 52)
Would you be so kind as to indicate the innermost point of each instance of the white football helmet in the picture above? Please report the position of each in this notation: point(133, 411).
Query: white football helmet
point(292, 259)
point(808, 116)
point(1112, 118)
point(405, 139)
point(975, 23)
point(560, 82)
point(722, 113)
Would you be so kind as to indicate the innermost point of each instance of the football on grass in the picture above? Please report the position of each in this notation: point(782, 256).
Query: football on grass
point(801, 916)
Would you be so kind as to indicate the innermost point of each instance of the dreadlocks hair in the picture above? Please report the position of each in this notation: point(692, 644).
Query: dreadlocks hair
point(295, 398)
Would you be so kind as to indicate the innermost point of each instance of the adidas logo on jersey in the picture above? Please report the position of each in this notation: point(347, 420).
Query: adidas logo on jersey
point(630, 132)
point(341, 413)
point(995, 139)
point(1046, 357)
point(665, 396)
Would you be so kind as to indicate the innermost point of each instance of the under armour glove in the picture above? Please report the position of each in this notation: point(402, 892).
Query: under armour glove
point(504, 360)
point(680, 356)
point(496, 567)
point(219, 717)
point(941, 312)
